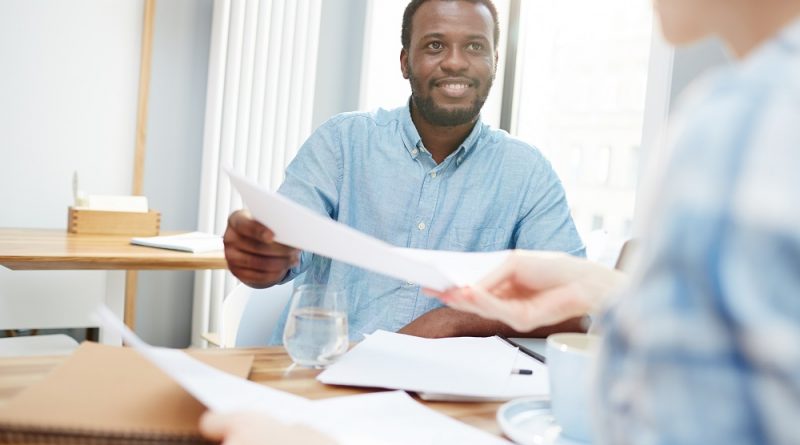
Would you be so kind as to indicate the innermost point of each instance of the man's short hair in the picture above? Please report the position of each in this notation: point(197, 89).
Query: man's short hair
point(413, 5)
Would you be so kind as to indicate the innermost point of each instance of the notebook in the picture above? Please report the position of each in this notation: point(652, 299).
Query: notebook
point(194, 242)
point(456, 368)
point(108, 394)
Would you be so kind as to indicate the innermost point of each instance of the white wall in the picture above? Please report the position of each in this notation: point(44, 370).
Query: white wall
point(68, 92)
point(68, 87)
point(67, 102)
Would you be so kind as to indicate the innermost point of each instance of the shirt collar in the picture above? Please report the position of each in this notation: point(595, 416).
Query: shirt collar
point(413, 141)
point(790, 36)
point(785, 40)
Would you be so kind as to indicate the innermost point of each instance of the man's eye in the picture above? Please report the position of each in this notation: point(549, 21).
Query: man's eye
point(476, 46)
point(435, 45)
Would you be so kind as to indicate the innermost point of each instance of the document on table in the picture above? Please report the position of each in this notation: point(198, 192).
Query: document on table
point(386, 418)
point(194, 242)
point(299, 227)
point(463, 366)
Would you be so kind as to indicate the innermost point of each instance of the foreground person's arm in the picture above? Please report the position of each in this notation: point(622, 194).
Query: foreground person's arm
point(536, 289)
point(251, 428)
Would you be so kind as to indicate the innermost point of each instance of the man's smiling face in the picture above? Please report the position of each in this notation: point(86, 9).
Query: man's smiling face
point(450, 61)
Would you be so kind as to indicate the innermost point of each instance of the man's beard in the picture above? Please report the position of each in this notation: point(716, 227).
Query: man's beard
point(443, 117)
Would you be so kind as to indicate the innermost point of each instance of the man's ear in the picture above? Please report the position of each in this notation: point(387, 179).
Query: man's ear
point(404, 63)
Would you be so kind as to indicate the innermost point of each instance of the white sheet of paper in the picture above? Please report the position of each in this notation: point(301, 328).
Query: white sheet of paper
point(299, 227)
point(519, 385)
point(460, 268)
point(386, 418)
point(111, 203)
point(463, 366)
point(194, 242)
point(393, 418)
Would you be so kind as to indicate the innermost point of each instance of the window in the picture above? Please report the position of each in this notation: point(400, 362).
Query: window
point(578, 94)
point(579, 97)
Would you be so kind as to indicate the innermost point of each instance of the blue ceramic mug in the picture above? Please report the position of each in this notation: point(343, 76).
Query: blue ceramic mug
point(570, 359)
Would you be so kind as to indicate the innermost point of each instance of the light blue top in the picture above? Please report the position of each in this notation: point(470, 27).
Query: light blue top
point(371, 172)
point(705, 346)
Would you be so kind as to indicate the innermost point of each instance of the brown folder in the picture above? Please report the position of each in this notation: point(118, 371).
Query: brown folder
point(107, 394)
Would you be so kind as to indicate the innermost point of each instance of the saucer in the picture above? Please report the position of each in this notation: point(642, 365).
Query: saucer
point(528, 421)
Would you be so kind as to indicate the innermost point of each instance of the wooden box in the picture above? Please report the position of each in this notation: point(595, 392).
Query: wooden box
point(113, 223)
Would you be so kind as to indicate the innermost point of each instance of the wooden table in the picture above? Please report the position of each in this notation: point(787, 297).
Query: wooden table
point(268, 369)
point(55, 249)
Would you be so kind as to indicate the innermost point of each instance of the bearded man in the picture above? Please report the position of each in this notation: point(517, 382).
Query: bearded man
point(429, 175)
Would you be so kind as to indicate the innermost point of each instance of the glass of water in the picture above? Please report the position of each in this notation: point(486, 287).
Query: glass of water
point(316, 329)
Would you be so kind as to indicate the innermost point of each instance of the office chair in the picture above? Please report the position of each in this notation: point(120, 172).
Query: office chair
point(250, 315)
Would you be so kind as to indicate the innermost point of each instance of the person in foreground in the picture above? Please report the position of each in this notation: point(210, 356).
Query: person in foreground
point(701, 346)
point(429, 175)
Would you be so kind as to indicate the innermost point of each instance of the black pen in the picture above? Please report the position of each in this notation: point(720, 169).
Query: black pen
point(524, 350)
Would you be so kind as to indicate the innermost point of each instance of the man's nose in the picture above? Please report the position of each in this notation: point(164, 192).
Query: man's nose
point(455, 61)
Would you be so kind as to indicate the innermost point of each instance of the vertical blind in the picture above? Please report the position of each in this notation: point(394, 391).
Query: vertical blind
point(261, 77)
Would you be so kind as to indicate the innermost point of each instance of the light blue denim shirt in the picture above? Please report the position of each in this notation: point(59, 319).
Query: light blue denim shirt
point(704, 348)
point(372, 172)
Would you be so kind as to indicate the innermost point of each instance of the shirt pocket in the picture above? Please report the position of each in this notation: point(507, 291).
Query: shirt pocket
point(482, 238)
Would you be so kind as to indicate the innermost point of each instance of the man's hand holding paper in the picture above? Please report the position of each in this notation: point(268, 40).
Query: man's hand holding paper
point(252, 253)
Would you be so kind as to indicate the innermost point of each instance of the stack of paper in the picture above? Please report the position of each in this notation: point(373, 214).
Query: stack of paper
point(464, 366)
point(194, 242)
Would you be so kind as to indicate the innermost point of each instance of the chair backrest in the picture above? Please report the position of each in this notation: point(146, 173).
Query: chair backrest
point(233, 307)
point(625, 259)
point(249, 315)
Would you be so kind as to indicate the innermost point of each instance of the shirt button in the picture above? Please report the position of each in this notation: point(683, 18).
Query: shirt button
point(433, 174)
point(414, 152)
point(421, 226)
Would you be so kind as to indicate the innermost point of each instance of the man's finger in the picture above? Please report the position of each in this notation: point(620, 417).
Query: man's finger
point(243, 224)
point(244, 260)
point(259, 247)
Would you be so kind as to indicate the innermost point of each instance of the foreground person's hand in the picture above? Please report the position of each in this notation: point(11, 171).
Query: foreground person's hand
point(533, 289)
point(250, 428)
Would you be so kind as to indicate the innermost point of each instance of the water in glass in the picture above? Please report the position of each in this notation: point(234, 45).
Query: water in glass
point(316, 329)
